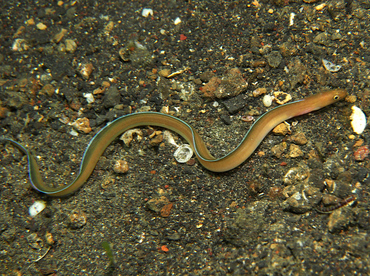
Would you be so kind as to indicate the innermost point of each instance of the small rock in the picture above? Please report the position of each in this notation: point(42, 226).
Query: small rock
point(259, 92)
point(281, 129)
point(77, 219)
point(297, 174)
point(82, 124)
point(299, 138)
point(71, 45)
point(267, 100)
point(337, 9)
point(120, 166)
point(321, 38)
point(231, 85)
point(234, 104)
point(279, 149)
point(361, 153)
point(156, 140)
point(295, 151)
point(274, 59)
point(59, 36)
point(85, 70)
point(164, 73)
point(206, 76)
point(297, 203)
point(210, 87)
point(166, 210)
point(47, 89)
point(41, 26)
point(340, 219)
point(112, 97)
point(156, 204)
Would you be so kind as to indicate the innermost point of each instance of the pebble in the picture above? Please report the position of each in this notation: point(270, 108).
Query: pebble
point(164, 73)
point(231, 84)
point(297, 203)
point(41, 26)
point(156, 140)
point(295, 151)
point(281, 129)
point(259, 92)
point(89, 97)
point(361, 153)
point(166, 210)
point(351, 99)
point(59, 36)
point(340, 219)
point(274, 59)
point(279, 149)
point(267, 100)
point(157, 203)
point(47, 89)
point(85, 69)
point(49, 238)
point(299, 138)
point(358, 120)
point(77, 219)
point(82, 125)
point(296, 174)
point(120, 166)
point(71, 45)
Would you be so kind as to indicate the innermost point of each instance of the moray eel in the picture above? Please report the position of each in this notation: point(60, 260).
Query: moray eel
point(246, 147)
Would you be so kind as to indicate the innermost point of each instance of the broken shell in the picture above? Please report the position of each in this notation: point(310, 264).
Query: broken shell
point(282, 97)
point(167, 135)
point(358, 120)
point(183, 153)
point(146, 12)
point(89, 97)
point(331, 67)
point(177, 21)
point(20, 45)
point(128, 136)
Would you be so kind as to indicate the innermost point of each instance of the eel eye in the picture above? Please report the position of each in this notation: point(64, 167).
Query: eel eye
point(336, 97)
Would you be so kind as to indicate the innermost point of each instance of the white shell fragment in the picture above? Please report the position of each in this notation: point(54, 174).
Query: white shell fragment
point(177, 21)
point(89, 97)
point(267, 100)
point(331, 67)
point(358, 120)
point(36, 208)
point(146, 12)
point(128, 136)
point(183, 153)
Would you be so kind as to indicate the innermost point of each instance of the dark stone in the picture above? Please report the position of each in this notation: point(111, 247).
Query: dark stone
point(233, 105)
